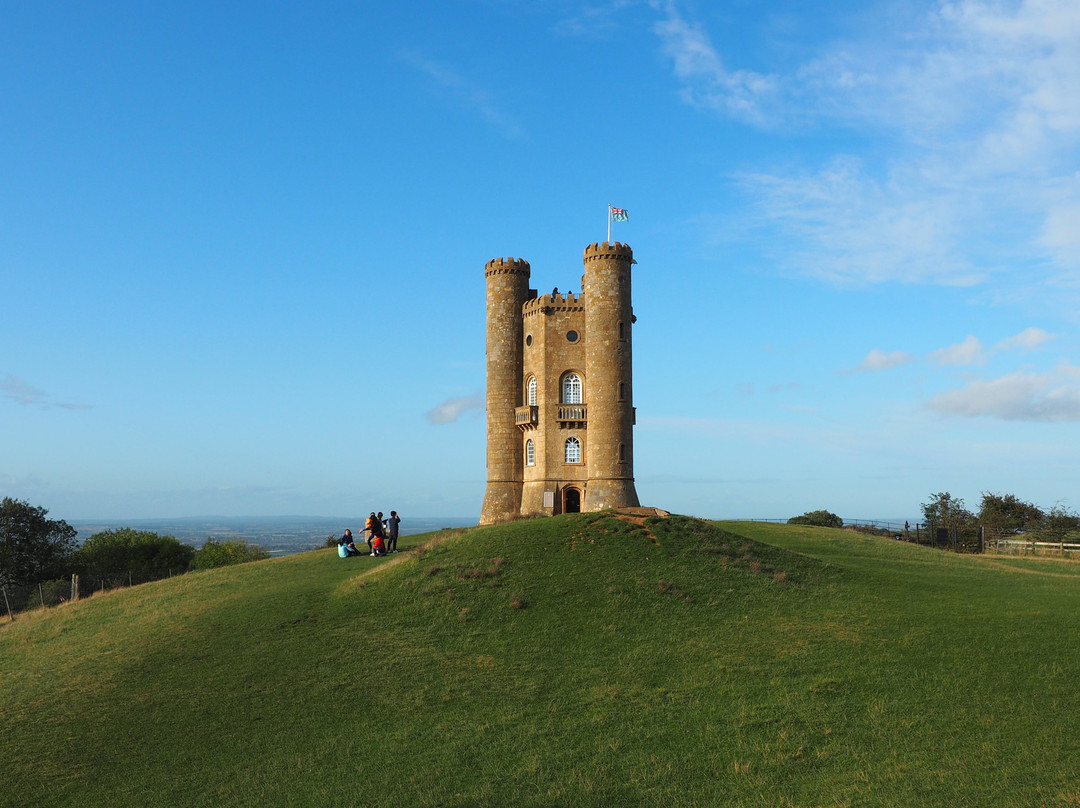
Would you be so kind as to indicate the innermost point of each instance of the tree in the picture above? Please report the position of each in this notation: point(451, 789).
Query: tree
point(945, 510)
point(1007, 514)
point(1059, 523)
point(32, 547)
point(139, 552)
point(818, 518)
point(225, 553)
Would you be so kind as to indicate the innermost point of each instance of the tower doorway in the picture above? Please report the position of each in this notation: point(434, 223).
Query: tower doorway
point(571, 500)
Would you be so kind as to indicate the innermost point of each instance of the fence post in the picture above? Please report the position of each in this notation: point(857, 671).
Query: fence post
point(8, 604)
point(74, 586)
point(41, 594)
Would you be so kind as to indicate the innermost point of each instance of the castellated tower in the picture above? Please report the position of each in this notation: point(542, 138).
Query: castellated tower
point(608, 321)
point(507, 291)
point(560, 412)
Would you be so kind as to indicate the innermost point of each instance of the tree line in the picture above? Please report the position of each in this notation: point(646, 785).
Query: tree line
point(35, 550)
point(999, 514)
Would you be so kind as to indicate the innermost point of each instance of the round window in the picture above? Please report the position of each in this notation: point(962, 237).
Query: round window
point(572, 336)
point(528, 339)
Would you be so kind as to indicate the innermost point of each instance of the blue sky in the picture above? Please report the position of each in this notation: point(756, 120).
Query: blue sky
point(242, 246)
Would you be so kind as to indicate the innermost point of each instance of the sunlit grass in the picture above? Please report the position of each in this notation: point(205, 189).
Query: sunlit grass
point(580, 660)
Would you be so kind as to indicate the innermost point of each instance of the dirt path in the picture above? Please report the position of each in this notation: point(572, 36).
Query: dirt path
point(1009, 567)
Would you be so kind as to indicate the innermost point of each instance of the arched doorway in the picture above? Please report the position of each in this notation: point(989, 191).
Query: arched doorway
point(571, 500)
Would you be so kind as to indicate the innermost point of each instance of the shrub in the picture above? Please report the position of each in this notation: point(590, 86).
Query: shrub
point(225, 553)
point(146, 555)
point(818, 519)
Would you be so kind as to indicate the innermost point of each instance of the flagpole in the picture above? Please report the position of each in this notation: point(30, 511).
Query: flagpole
point(609, 223)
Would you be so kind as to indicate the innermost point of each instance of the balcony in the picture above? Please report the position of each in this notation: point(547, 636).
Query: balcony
point(572, 412)
point(526, 417)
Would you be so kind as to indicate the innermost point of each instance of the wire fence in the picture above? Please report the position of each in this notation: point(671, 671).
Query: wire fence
point(48, 594)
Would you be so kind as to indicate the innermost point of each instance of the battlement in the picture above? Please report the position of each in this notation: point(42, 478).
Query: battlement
point(609, 249)
point(545, 304)
point(511, 265)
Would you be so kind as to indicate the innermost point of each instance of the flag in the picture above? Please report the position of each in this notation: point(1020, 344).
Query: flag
point(619, 214)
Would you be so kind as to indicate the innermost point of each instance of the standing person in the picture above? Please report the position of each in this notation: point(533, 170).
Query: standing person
point(369, 530)
point(392, 529)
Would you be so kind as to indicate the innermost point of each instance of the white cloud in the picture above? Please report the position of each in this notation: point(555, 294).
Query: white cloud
point(972, 352)
point(453, 408)
point(1019, 396)
point(879, 360)
point(968, 352)
point(1028, 339)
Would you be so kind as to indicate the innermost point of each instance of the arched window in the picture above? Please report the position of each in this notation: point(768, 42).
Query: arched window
point(531, 395)
point(573, 450)
point(571, 389)
point(530, 453)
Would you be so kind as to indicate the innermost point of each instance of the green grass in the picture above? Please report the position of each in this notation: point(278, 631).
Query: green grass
point(579, 660)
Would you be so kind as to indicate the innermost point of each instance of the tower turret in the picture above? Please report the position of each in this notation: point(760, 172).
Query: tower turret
point(608, 376)
point(507, 291)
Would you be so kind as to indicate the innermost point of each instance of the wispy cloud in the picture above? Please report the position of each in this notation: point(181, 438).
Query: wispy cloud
point(1020, 396)
point(464, 91)
point(974, 112)
point(453, 408)
point(743, 94)
point(593, 19)
point(15, 389)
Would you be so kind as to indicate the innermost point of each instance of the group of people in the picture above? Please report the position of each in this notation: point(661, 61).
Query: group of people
point(381, 536)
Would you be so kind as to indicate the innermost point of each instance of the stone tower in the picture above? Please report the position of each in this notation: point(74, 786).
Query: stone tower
point(560, 412)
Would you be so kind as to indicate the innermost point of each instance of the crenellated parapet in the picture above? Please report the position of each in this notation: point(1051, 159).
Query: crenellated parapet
point(507, 266)
point(608, 249)
point(546, 304)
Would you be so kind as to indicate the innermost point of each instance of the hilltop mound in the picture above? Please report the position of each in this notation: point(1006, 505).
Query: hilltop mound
point(593, 659)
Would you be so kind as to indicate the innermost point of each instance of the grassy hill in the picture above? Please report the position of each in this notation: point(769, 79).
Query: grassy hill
point(580, 660)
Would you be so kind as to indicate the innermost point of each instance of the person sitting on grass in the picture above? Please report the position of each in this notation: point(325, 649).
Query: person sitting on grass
point(378, 546)
point(346, 547)
point(346, 550)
